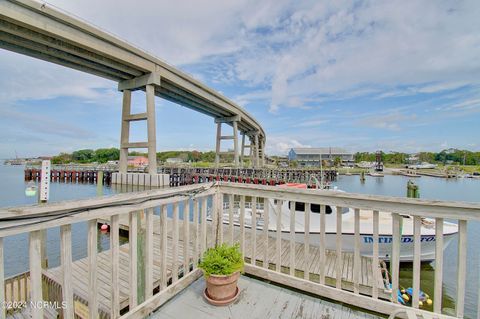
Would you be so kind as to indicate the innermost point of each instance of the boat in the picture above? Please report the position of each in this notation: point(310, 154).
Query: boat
point(376, 174)
point(410, 173)
point(423, 165)
point(31, 190)
point(348, 240)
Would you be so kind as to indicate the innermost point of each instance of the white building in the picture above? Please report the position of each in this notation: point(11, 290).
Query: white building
point(312, 156)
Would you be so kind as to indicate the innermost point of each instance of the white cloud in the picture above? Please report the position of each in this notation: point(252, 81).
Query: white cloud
point(24, 78)
point(280, 145)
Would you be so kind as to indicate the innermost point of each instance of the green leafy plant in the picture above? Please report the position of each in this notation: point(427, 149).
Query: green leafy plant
point(222, 260)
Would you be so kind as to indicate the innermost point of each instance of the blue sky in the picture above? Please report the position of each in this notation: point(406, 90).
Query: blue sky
point(364, 75)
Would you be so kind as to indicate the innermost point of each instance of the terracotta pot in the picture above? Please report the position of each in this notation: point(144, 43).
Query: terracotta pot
point(222, 289)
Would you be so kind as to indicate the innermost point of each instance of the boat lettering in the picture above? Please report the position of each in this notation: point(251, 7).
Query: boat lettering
point(388, 240)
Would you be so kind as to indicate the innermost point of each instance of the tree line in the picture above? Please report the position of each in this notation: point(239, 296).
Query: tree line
point(103, 155)
point(455, 156)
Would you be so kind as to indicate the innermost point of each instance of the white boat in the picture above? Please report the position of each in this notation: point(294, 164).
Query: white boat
point(366, 229)
point(31, 190)
point(376, 174)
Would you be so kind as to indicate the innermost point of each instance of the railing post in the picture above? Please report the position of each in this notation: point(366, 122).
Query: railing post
point(132, 242)
point(36, 272)
point(437, 305)
point(375, 263)
point(163, 247)
point(186, 237)
point(115, 253)
point(66, 257)
point(2, 280)
point(395, 258)
point(357, 260)
point(338, 251)
point(462, 267)
point(321, 245)
point(266, 221)
point(149, 253)
point(306, 273)
point(417, 225)
point(253, 231)
point(292, 239)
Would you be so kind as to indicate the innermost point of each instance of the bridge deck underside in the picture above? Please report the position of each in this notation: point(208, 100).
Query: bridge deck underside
point(52, 45)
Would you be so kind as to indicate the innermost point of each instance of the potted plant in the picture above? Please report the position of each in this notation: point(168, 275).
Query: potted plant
point(221, 266)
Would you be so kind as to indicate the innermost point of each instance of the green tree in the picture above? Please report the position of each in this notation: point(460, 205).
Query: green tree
point(84, 156)
point(103, 155)
point(337, 161)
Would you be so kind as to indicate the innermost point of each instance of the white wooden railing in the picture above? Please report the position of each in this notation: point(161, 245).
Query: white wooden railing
point(377, 205)
point(192, 230)
point(201, 231)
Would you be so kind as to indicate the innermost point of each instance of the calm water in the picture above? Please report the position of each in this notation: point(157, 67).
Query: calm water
point(465, 189)
point(12, 193)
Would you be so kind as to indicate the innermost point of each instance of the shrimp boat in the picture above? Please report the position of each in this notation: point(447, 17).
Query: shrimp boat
point(385, 238)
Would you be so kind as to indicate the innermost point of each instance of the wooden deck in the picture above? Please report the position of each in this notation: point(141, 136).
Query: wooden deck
point(80, 267)
point(258, 299)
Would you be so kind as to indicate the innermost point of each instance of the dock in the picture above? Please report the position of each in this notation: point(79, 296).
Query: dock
point(180, 176)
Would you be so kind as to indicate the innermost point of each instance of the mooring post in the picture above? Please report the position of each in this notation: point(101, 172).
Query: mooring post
point(99, 183)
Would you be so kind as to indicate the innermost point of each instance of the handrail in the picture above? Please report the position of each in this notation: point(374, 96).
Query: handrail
point(401, 205)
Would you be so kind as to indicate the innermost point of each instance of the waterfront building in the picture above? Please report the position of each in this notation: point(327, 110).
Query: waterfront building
point(312, 156)
point(137, 161)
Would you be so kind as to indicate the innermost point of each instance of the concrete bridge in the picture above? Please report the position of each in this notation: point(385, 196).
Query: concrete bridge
point(41, 31)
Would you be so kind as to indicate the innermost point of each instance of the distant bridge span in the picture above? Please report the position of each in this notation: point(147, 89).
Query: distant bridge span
point(41, 31)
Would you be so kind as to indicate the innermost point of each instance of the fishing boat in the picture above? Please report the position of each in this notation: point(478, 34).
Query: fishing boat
point(385, 238)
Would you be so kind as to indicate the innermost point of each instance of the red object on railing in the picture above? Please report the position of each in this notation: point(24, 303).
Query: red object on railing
point(225, 178)
point(264, 181)
point(255, 180)
point(239, 179)
point(272, 182)
point(248, 180)
point(218, 178)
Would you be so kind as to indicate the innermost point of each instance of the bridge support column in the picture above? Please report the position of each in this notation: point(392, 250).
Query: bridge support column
point(151, 129)
point(242, 150)
point(148, 82)
point(125, 130)
point(257, 151)
point(263, 153)
point(233, 121)
point(254, 147)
